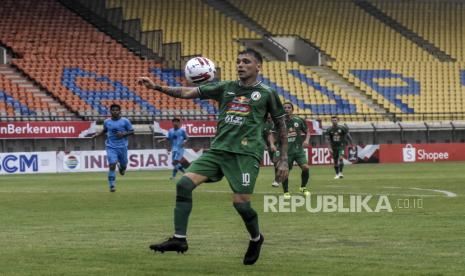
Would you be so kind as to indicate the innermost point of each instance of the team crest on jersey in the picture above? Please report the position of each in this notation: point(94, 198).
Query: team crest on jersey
point(296, 125)
point(256, 96)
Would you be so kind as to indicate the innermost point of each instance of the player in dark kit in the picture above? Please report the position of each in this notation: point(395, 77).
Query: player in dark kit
point(337, 137)
point(298, 139)
point(236, 150)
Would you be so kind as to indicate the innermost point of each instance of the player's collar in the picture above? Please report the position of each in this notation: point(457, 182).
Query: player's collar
point(241, 85)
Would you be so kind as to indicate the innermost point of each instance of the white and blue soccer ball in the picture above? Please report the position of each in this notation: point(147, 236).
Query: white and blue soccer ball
point(199, 70)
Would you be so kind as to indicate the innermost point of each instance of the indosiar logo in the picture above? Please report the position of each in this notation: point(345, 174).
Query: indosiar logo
point(12, 163)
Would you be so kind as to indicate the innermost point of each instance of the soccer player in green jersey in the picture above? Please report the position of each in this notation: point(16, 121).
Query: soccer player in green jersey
point(298, 137)
point(236, 150)
point(337, 137)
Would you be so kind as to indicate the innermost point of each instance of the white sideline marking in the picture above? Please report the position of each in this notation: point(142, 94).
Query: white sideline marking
point(229, 192)
point(447, 193)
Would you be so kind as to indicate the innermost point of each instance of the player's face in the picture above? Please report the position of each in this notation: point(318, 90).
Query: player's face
point(247, 67)
point(115, 112)
point(334, 121)
point(268, 118)
point(176, 124)
point(288, 109)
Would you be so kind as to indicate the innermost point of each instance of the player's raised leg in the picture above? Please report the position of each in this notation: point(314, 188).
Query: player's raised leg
point(184, 188)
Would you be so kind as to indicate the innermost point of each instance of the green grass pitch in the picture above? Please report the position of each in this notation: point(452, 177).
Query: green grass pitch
point(69, 224)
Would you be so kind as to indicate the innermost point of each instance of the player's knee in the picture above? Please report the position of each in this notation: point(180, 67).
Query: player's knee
point(175, 162)
point(184, 189)
point(245, 210)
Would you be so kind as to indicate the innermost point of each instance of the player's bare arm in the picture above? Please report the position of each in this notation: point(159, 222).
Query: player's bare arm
point(272, 142)
point(282, 168)
point(104, 130)
point(124, 133)
point(177, 92)
point(307, 139)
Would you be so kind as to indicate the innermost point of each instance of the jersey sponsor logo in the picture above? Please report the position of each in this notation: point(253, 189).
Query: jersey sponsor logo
point(230, 93)
point(234, 120)
point(256, 96)
point(238, 109)
point(241, 100)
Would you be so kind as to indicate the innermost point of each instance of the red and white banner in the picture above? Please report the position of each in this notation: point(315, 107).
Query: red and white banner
point(315, 127)
point(322, 156)
point(409, 153)
point(195, 128)
point(44, 130)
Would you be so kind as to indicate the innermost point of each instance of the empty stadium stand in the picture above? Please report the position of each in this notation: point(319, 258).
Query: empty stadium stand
point(83, 70)
point(81, 67)
point(387, 67)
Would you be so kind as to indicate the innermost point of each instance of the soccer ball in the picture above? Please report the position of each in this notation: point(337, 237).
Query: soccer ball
point(199, 70)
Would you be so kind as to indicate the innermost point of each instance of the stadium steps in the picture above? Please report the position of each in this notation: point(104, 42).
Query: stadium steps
point(257, 45)
point(337, 80)
point(232, 11)
point(404, 31)
point(105, 26)
point(151, 39)
point(22, 80)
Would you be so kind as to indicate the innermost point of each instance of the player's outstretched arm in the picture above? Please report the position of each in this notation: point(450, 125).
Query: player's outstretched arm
point(283, 168)
point(177, 92)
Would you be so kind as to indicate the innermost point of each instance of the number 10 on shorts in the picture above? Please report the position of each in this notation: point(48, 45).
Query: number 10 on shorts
point(245, 179)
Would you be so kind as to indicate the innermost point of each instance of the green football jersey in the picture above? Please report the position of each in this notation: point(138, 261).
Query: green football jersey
point(242, 115)
point(296, 129)
point(337, 135)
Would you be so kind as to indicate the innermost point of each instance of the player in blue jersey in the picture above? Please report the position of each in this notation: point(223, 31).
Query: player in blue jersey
point(177, 136)
point(117, 130)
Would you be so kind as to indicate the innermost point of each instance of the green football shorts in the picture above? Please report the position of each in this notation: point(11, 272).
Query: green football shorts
point(240, 170)
point(299, 157)
point(338, 151)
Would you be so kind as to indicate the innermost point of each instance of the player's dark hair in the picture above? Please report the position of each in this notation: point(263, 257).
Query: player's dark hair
point(334, 117)
point(176, 119)
point(289, 103)
point(253, 53)
point(115, 105)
